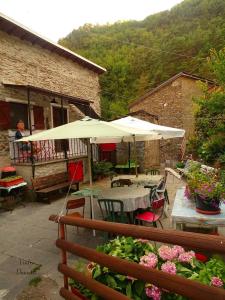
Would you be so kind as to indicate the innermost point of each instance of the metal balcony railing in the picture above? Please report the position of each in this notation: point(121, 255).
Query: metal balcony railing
point(44, 151)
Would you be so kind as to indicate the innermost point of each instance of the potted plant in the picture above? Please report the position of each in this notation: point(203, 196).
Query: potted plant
point(173, 260)
point(206, 188)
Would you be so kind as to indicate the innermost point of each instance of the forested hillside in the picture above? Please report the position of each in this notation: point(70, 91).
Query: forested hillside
point(140, 54)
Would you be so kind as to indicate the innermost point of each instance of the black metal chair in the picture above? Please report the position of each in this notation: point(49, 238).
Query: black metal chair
point(121, 182)
point(112, 210)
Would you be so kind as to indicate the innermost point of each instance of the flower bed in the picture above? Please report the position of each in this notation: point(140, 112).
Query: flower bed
point(173, 260)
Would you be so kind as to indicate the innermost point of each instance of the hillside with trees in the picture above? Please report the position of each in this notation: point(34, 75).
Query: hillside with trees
point(138, 55)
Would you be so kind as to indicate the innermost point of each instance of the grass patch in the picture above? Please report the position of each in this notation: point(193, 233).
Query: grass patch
point(34, 281)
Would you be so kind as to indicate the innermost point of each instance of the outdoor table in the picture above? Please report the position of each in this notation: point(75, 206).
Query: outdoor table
point(133, 197)
point(184, 212)
point(142, 179)
point(12, 193)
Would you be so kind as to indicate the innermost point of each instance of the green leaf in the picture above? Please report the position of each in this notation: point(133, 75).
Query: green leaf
point(139, 287)
point(111, 282)
point(97, 272)
point(129, 290)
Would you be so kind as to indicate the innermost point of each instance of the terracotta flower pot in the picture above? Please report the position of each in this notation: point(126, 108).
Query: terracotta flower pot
point(207, 206)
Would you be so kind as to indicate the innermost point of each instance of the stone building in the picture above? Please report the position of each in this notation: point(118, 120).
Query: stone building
point(45, 85)
point(172, 105)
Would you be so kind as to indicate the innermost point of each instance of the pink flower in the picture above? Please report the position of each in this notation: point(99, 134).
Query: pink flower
point(169, 267)
point(167, 253)
point(149, 260)
point(154, 292)
point(178, 250)
point(186, 257)
point(216, 281)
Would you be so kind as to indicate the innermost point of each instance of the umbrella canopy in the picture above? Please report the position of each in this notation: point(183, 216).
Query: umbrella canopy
point(163, 132)
point(150, 131)
point(90, 128)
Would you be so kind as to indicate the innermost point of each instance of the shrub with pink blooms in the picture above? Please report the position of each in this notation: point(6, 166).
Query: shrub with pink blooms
point(174, 260)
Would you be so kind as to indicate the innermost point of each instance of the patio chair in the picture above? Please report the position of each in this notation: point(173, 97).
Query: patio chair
point(108, 211)
point(121, 182)
point(153, 216)
point(153, 172)
point(160, 191)
point(74, 204)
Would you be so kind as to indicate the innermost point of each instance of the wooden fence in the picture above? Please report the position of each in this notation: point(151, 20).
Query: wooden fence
point(174, 283)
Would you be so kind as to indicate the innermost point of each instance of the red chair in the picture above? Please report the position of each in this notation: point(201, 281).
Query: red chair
point(73, 204)
point(157, 207)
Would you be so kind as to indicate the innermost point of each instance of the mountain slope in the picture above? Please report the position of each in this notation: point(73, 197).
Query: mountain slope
point(140, 54)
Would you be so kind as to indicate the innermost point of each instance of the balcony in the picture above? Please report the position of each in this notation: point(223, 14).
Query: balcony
point(48, 151)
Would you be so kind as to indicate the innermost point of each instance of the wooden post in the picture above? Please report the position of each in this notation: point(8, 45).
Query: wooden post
point(63, 252)
point(90, 180)
point(135, 156)
point(30, 128)
point(63, 122)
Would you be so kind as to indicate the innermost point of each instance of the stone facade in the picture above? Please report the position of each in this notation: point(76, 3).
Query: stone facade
point(26, 63)
point(172, 103)
point(29, 64)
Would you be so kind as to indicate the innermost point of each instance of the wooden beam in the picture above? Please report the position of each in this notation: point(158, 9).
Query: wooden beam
point(173, 283)
point(215, 244)
point(100, 289)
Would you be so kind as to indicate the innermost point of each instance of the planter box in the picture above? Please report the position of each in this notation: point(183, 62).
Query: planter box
point(11, 183)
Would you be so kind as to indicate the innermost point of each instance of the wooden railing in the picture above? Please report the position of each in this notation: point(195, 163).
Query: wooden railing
point(177, 284)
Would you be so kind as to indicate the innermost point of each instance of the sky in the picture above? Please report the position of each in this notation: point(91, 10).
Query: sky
point(55, 19)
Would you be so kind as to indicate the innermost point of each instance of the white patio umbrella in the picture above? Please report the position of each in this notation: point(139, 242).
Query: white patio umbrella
point(152, 132)
point(163, 132)
point(90, 128)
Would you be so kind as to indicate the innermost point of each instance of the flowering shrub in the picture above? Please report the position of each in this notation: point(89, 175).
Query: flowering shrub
point(173, 260)
point(208, 186)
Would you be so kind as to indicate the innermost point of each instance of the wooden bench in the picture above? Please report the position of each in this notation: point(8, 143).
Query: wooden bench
point(45, 186)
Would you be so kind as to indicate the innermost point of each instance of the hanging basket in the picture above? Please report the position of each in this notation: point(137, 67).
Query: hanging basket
point(207, 206)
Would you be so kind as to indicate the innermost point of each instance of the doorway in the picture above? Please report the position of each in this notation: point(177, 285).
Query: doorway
point(59, 119)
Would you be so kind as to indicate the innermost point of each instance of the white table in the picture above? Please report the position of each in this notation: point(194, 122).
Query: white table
point(184, 212)
point(133, 197)
point(142, 179)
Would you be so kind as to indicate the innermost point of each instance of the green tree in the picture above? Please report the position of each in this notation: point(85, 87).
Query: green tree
point(209, 143)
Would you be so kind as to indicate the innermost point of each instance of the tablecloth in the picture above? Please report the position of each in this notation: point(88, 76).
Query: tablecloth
point(133, 197)
point(142, 179)
point(184, 212)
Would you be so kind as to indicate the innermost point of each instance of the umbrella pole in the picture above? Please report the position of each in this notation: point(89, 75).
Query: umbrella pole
point(135, 156)
point(90, 180)
point(129, 156)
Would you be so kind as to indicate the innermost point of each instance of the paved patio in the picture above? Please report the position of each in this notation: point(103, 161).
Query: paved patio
point(27, 241)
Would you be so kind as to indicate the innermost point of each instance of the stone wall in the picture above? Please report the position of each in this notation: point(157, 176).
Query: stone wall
point(26, 63)
point(174, 107)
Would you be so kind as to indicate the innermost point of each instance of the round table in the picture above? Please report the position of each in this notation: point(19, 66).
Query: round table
point(142, 179)
point(133, 197)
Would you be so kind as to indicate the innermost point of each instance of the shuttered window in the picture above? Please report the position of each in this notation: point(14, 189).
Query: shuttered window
point(11, 112)
point(18, 111)
point(4, 115)
point(39, 122)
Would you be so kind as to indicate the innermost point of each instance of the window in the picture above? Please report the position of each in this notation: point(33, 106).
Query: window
point(11, 112)
point(18, 111)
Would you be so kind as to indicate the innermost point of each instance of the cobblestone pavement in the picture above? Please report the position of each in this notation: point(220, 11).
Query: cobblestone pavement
point(27, 238)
